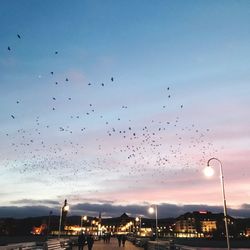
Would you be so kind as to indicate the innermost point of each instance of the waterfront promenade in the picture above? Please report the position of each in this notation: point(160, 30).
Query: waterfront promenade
point(113, 245)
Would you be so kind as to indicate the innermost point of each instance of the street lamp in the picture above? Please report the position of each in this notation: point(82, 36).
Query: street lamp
point(138, 219)
point(153, 209)
point(83, 218)
point(48, 229)
point(65, 208)
point(209, 172)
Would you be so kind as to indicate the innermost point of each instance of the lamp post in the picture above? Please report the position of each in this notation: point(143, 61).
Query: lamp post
point(153, 209)
point(138, 219)
point(83, 218)
point(64, 208)
point(48, 229)
point(209, 172)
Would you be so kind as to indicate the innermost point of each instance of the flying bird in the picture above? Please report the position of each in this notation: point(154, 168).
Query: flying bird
point(112, 79)
point(13, 117)
point(9, 48)
point(18, 36)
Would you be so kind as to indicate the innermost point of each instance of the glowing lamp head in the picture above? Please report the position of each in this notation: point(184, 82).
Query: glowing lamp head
point(66, 208)
point(137, 219)
point(209, 171)
point(151, 210)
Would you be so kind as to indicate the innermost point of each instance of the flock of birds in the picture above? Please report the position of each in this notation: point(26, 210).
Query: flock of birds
point(123, 145)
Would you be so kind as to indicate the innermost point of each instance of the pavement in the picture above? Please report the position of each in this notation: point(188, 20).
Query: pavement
point(113, 245)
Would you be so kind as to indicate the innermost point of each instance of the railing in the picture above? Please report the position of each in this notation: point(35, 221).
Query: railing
point(52, 244)
point(24, 246)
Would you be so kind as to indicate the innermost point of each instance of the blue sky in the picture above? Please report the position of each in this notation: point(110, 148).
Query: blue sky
point(180, 95)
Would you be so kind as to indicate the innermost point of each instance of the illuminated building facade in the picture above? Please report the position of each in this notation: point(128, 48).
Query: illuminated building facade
point(201, 224)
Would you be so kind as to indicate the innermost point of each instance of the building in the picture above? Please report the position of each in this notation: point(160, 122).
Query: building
point(201, 224)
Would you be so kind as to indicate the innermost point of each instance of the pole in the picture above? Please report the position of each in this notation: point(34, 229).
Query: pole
point(224, 199)
point(156, 223)
point(60, 224)
point(48, 225)
point(140, 226)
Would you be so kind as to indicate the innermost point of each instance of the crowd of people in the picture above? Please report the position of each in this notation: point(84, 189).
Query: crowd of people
point(89, 240)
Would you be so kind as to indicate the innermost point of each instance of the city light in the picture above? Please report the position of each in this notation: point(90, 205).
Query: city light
point(208, 171)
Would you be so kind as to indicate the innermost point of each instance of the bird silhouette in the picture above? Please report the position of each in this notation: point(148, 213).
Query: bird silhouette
point(9, 48)
point(19, 36)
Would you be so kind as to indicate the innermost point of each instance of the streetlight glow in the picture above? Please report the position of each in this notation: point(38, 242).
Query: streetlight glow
point(151, 210)
point(208, 171)
point(66, 208)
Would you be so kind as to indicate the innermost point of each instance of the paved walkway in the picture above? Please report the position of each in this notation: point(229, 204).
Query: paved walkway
point(113, 245)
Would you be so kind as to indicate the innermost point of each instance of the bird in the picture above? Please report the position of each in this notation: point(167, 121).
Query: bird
point(112, 79)
point(51, 72)
point(56, 52)
point(102, 84)
point(13, 117)
point(66, 79)
point(17, 102)
point(9, 48)
point(18, 36)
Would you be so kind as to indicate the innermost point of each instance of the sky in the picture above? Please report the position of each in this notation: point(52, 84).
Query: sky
point(116, 105)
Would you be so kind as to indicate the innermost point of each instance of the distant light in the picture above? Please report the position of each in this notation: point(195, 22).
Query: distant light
point(202, 212)
point(66, 208)
point(208, 171)
point(151, 210)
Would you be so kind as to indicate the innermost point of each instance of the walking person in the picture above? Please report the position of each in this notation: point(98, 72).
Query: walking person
point(90, 242)
point(124, 238)
point(81, 241)
point(119, 237)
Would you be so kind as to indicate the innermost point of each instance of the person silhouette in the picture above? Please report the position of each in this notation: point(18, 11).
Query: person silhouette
point(119, 237)
point(124, 238)
point(90, 242)
point(81, 241)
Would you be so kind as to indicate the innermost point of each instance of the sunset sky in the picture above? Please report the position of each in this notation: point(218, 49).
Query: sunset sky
point(115, 105)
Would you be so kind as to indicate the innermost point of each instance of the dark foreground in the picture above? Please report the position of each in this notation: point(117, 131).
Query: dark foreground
point(199, 243)
point(213, 243)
